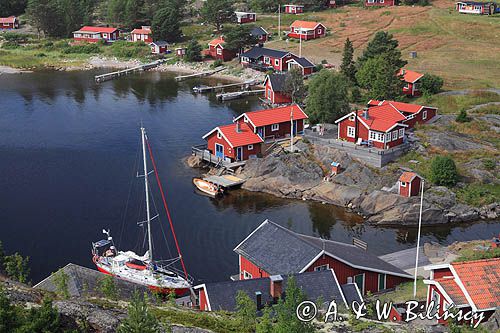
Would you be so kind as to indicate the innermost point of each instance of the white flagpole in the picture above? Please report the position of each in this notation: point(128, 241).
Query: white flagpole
point(418, 238)
point(300, 44)
point(279, 21)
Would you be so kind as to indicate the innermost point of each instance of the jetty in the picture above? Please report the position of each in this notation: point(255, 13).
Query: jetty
point(127, 71)
point(202, 74)
point(225, 181)
point(238, 94)
point(246, 85)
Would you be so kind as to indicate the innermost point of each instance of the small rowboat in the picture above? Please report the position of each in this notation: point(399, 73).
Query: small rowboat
point(207, 187)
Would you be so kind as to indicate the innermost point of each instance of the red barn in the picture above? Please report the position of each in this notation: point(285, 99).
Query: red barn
point(11, 22)
point(274, 89)
point(294, 9)
point(245, 17)
point(234, 142)
point(306, 30)
point(144, 34)
point(370, 3)
point(472, 285)
point(265, 59)
point(414, 113)
point(380, 126)
point(260, 33)
point(216, 50)
point(159, 47)
point(95, 34)
point(271, 124)
point(410, 78)
point(272, 249)
point(409, 184)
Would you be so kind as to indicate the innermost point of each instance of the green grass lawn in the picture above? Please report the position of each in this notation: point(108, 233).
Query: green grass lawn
point(452, 104)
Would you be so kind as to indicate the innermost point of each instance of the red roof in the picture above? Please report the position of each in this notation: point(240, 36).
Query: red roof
point(98, 29)
point(275, 116)
point(453, 290)
point(141, 31)
point(410, 76)
point(404, 107)
point(407, 177)
point(305, 24)
point(10, 19)
point(245, 136)
point(481, 280)
point(217, 41)
point(381, 118)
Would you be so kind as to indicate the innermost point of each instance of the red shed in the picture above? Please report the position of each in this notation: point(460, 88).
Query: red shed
point(144, 34)
point(294, 9)
point(370, 3)
point(275, 89)
point(216, 50)
point(410, 78)
point(180, 52)
point(159, 47)
point(95, 34)
point(234, 142)
point(409, 184)
point(245, 17)
point(307, 30)
point(273, 249)
point(11, 22)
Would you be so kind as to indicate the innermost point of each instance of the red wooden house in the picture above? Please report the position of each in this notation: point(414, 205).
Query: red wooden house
point(265, 59)
point(272, 249)
point(410, 78)
point(474, 7)
point(306, 30)
point(472, 285)
point(276, 123)
point(216, 50)
point(370, 3)
point(95, 34)
point(143, 34)
point(260, 33)
point(245, 17)
point(267, 291)
point(414, 113)
point(11, 22)
point(234, 142)
point(409, 184)
point(379, 126)
point(159, 47)
point(294, 9)
point(274, 85)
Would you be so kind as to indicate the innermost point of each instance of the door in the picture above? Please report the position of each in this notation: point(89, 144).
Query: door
point(294, 127)
point(260, 132)
point(219, 151)
point(360, 281)
point(239, 153)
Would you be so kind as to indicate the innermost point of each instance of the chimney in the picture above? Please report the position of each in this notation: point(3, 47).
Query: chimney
point(258, 300)
point(238, 129)
point(365, 114)
point(276, 287)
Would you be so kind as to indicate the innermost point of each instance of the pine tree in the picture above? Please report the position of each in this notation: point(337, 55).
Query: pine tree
point(348, 66)
point(294, 85)
point(140, 319)
point(17, 267)
point(286, 318)
point(383, 43)
point(132, 12)
point(9, 317)
point(265, 323)
point(246, 311)
point(43, 319)
point(217, 12)
point(193, 51)
point(165, 24)
point(378, 76)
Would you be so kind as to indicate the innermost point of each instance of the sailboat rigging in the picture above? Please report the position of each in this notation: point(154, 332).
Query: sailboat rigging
point(143, 270)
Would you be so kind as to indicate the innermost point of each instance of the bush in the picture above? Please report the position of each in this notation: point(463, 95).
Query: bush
point(489, 164)
point(443, 171)
point(82, 48)
point(124, 49)
point(431, 84)
point(107, 287)
point(462, 117)
point(479, 194)
point(216, 63)
point(17, 267)
point(61, 282)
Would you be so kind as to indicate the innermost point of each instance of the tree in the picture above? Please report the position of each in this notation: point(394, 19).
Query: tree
point(246, 311)
point(61, 283)
point(378, 76)
point(443, 171)
point(193, 51)
point(327, 98)
point(9, 317)
point(17, 267)
point(12, 7)
point(431, 84)
point(116, 10)
point(165, 24)
point(348, 66)
point(139, 319)
point(294, 85)
point(107, 287)
point(239, 37)
point(217, 12)
point(265, 323)
point(267, 6)
point(462, 117)
point(132, 12)
point(383, 44)
point(43, 319)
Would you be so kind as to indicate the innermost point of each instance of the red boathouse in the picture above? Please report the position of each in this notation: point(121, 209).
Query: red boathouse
point(11, 22)
point(274, 85)
point(272, 249)
point(216, 50)
point(306, 30)
point(95, 34)
point(409, 184)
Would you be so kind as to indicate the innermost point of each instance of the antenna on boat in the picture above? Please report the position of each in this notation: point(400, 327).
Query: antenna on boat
point(146, 186)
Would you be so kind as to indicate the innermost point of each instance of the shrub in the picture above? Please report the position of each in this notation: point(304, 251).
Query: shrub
point(479, 194)
point(462, 117)
point(431, 84)
point(83, 48)
point(61, 282)
point(216, 63)
point(17, 267)
point(489, 164)
point(443, 171)
point(124, 49)
point(108, 288)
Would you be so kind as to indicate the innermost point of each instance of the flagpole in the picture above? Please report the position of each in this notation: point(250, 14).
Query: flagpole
point(418, 238)
point(300, 44)
point(279, 21)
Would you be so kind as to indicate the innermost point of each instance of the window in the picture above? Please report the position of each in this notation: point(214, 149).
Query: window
point(424, 115)
point(351, 117)
point(350, 132)
point(320, 31)
point(403, 184)
point(219, 136)
point(219, 51)
point(246, 275)
point(382, 279)
point(275, 127)
point(380, 137)
point(387, 137)
point(401, 132)
point(381, 1)
point(267, 60)
point(371, 1)
point(245, 119)
point(276, 62)
point(250, 147)
point(322, 268)
point(394, 135)
point(407, 86)
point(244, 59)
point(373, 135)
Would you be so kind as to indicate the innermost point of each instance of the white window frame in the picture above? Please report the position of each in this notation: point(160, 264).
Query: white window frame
point(320, 31)
point(245, 119)
point(218, 51)
point(385, 281)
point(401, 132)
point(219, 136)
point(424, 114)
point(267, 60)
point(394, 135)
point(388, 137)
point(247, 276)
point(351, 132)
point(372, 136)
point(244, 59)
point(381, 1)
point(276, 62)
point(322, 268)
point(380, 137)
point(403, 184)
point(352, 117)
point(275, 127)
point(250, 147)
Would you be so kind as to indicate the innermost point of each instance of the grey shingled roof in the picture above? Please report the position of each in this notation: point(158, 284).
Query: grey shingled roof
point(277, 81)
point(351, 293)
point(257, 52)
point(258, 31)
point(278, 250)
point(315, 285)
point(304, 62)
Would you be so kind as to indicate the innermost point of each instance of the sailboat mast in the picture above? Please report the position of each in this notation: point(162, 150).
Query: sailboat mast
point(146, 186)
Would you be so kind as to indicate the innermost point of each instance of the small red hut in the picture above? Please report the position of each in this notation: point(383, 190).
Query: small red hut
point(143, 34)
point(10, 22)
point(409, 184)
point(294, 9)
point(216, 50)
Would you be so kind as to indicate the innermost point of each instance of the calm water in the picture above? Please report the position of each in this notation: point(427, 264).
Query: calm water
point(68, 161)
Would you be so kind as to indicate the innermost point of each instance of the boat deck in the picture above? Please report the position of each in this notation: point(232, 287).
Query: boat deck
point(225, 180)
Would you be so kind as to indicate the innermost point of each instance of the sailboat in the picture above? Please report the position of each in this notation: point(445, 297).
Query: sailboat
point(142, 269)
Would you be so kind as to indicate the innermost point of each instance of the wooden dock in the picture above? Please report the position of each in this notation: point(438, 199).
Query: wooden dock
point(202, 74)
point(205, 155)
point(245, 85)
point(140, 68)
point(226, 181)
point(238, 94)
